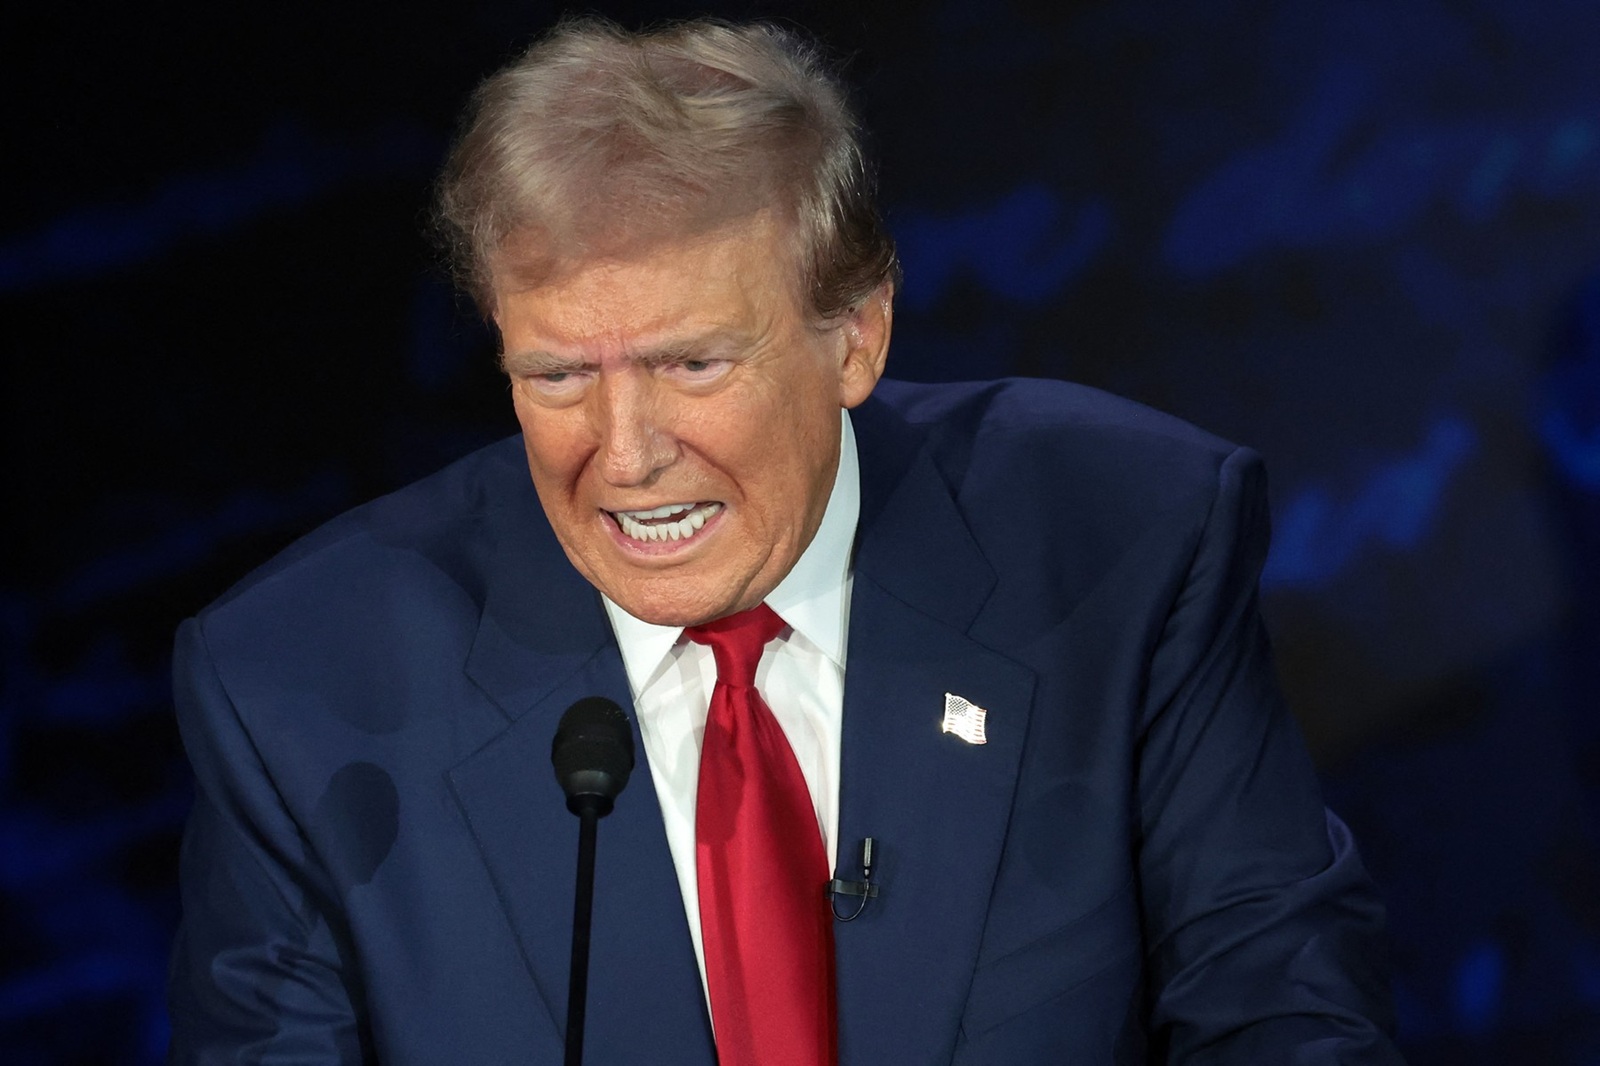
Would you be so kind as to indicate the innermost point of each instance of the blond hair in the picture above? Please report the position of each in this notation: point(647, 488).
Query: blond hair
point(598, 141)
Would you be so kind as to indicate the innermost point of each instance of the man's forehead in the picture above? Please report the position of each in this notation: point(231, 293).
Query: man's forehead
point(725, 288)
point(532, 258)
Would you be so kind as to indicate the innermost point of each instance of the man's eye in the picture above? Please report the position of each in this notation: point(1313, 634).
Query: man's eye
point(697, 369)
point(553, 385)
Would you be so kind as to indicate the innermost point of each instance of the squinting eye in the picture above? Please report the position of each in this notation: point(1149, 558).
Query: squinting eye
point(697, 369)
point(553, 386)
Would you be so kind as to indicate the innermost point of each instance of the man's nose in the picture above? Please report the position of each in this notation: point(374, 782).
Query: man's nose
point(635, 440)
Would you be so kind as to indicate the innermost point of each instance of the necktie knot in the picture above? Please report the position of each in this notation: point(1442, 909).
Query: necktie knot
point(738, 641)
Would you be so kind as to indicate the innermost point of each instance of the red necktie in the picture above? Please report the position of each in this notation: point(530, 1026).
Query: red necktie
point(767, 929)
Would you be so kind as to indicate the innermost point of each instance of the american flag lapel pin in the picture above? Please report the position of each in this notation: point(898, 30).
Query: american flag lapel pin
point(964, 718)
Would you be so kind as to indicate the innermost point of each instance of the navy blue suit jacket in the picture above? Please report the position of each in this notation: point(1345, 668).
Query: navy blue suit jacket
point(1135, 868)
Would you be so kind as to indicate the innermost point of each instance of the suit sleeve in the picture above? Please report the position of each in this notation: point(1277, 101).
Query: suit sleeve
point(261, 969)
point(1263, 932)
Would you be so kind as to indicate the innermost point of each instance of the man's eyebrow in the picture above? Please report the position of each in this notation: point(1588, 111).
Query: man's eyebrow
point(715, 344)
point(534, 361)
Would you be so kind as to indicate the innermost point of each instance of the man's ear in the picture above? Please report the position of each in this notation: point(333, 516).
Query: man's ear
point(865, 332)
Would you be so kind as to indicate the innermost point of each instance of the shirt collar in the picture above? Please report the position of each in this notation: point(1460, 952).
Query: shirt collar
point(811, 597)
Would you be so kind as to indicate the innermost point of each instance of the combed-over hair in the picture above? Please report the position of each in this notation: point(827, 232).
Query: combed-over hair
point(598, 141)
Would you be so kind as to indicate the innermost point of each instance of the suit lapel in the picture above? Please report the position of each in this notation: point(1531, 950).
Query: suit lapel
point(937, 806)
point(542, 644)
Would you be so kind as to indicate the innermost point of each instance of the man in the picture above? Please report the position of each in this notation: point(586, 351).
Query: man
point(1012, 638)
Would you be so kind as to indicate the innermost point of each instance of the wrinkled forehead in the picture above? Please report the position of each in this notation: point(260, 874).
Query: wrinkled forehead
point(534, 256)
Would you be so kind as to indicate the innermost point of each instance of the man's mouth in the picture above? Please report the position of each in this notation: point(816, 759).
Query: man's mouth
point(669, 522)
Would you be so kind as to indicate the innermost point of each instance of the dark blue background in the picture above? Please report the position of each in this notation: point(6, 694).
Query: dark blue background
point(1363, 237)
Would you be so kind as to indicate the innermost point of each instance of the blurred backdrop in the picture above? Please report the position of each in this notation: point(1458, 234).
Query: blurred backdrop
point(1361, 236)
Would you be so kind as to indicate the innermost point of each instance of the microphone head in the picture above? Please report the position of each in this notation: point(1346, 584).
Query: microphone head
point(593, 753)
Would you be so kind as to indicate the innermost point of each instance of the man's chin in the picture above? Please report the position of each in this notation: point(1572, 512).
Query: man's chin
point(678, 603)
point(676, 615)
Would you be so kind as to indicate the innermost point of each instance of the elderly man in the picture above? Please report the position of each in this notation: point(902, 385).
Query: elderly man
point(1006, 631)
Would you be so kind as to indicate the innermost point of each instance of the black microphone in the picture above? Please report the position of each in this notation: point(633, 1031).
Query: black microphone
point(593, 756)
point(865, 889)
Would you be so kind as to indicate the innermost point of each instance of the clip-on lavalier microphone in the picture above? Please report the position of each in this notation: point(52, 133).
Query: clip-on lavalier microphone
point(863, 888)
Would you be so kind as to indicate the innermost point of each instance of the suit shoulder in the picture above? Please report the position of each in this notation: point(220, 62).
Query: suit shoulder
point(1067, 490)
point(430, 520)
point(1058, 436)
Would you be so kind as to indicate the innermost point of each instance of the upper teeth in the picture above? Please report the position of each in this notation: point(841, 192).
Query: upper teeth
point(632, 522)
point(666, 510)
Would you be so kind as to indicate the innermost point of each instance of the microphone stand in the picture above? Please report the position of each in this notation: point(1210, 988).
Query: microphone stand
point(582, 910)
point(593, 755)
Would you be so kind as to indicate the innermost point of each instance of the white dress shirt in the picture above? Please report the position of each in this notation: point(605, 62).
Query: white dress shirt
point(801, 677)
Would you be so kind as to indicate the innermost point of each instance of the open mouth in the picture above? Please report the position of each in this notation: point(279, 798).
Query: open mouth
point(669, 522)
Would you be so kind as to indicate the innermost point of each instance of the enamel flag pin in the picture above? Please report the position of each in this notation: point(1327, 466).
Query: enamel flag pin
point(964, 718)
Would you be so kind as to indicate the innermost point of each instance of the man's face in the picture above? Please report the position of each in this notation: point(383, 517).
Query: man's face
point(680, 412)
